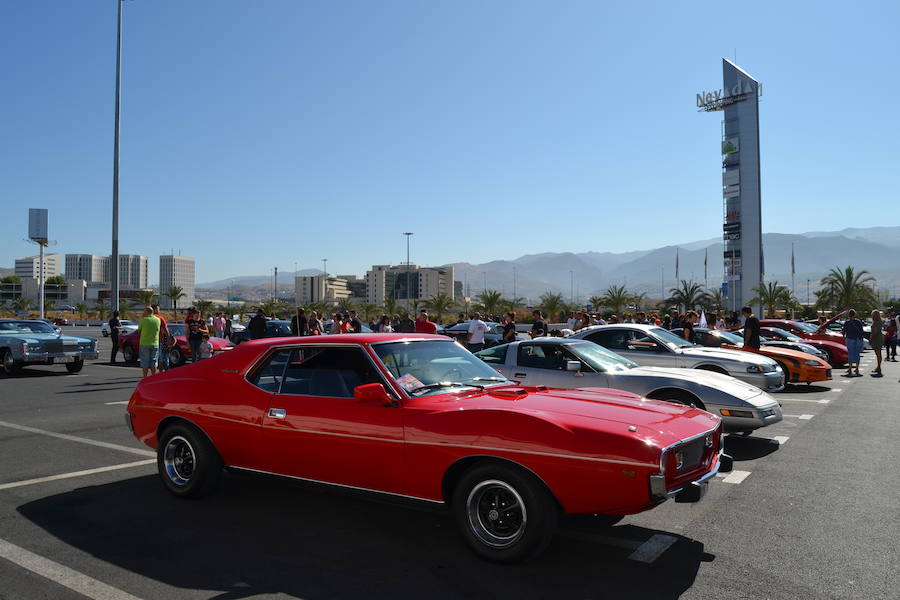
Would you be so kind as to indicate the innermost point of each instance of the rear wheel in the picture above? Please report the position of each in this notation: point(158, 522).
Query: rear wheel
point(175, 357)
point(74, 367)
point(504, 515)
point(188, 463)
point(128, 353)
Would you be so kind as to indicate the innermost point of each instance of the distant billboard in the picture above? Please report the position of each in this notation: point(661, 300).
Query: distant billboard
point(37, 225)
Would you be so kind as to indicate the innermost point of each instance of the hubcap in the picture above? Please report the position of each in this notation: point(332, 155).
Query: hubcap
point(178, 458)
point(496, 513)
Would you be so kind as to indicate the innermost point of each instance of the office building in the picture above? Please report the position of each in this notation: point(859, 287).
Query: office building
point(319, 288)
point(176, 271)
point(92, 268)
point(405, 283)
point(29, 267)
point(356, 285)
point(133, 271)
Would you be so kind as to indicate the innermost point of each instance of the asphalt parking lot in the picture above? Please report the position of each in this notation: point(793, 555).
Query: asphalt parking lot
point(810, 511)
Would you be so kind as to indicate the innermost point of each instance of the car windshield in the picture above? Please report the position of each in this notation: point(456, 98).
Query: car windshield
point(787, 335)
point(670, 339)
point(279, 329)
point(599, 358)
point(26, 327)
point(176, 328)
point(432, 366)
point(807, 327)
point(730, 338)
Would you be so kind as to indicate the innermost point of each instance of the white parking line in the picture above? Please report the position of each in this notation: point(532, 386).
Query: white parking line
point(653, 548)
point(15, 484)
point(62, 575)
point(736, 477)
point(117, 402)
point(801, 417)
point(822, 401)
point(73, 438)
point(781, 440)
point(835, 390)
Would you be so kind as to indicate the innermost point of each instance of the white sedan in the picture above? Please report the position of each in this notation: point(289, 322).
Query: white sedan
point(566, 363)
point(652, 346)
point(125, 327)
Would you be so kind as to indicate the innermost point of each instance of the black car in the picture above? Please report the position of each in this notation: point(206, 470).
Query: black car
point(493, 337)
point(274, 328)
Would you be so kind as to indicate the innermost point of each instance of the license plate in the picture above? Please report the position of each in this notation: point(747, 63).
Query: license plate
point(64, 359)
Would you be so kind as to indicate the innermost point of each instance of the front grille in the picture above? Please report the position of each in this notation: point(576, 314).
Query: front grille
point(691, 454)
point(52, 347)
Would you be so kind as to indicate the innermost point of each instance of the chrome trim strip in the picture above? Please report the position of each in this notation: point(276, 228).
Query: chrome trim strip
point(662, 455)
point(342, 485)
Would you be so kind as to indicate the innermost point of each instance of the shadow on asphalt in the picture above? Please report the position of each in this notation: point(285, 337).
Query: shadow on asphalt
point(261, 535)
point(796, 388)
point(749, 447)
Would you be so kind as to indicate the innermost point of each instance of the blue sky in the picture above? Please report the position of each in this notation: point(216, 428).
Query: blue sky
point(260, 134)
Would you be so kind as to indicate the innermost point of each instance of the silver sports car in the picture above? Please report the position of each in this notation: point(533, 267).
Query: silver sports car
point(568, 363)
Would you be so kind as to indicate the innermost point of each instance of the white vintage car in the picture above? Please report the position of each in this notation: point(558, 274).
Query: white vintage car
point(568, 363)
point(652, 346)
point(125, 327)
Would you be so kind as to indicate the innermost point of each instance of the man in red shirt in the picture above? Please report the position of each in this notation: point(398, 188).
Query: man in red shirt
point(423, 325)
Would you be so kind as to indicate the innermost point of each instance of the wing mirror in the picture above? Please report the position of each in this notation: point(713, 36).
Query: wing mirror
point(373, 393)
point(573, 365)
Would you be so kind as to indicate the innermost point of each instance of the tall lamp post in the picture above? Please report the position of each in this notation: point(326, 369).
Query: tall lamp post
point(408, 234)
point(572, 287)
point(325, 268)
point(114, 259)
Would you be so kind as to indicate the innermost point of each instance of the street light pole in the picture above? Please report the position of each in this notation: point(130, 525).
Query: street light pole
point(114, 259)
point(407, 234)
point(572, 288)
point(514, 284)
point(325, 268)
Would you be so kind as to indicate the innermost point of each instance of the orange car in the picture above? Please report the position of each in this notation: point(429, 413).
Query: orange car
point(798, 367)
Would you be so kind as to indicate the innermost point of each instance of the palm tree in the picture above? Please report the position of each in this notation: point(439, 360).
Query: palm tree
point(81, 308)
point(596, 302)
point(146, 297)
point(551, 304)
point(21, 303)
point(715, 299)
point(204, 306)
point(390, 307)
point(688, 294)
point(771, 295)
point(638, 299)
point(175, 293)
point(490, 300)
point(616, 297)
point(512, 304)
point(101, 309)
point(847, 289)
point(368, 310)
point(439, 304)
point(48, 306)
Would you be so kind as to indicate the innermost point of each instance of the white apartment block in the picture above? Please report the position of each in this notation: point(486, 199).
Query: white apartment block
point(133, 270)
point(407, 282)
point(318, 288)
point(176, 271)
point(92, 268)
point(29, 267)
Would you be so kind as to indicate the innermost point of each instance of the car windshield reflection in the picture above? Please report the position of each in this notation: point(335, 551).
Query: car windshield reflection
point(600, 359)
point(26, 327)
point(425, 367)
point(670, 339)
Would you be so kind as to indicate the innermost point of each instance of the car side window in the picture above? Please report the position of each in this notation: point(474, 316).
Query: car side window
point(541, 356)
point(494, 356)
point(268, 376)
point(614, 339)
point(327, 372)
point(640, 342)
point(707, 339)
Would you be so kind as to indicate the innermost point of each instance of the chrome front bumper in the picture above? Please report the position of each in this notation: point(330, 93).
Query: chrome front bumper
point(692, 491)
point(768, 382)
point(48, 357)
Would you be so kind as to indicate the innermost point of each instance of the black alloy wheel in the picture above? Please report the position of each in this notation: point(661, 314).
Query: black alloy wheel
point(504, 514)
point(76, 366)
point(176, 359)
point(188, 463)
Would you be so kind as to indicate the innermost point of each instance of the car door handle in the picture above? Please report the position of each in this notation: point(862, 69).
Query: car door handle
point(277, 413)
point(520, 375)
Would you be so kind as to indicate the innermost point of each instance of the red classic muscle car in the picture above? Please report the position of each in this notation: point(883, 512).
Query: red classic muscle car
point(418, 416)
point(130, 342)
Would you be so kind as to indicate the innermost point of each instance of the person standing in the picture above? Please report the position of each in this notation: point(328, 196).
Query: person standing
point(890, 340)
point(114, 325)
point(424, 325)
point(196, 327)
point(313, 324)
point(876, 340)
point(853, 339)
point(539, 327)
point(572, 322)
point(219, 325)
point(751, 328)
point(406, 324)
point(720, 322)
point(228, 328)
point(257, 325)
point(148, 334)
point(164, 341)
point(509, 328)
point(384, 326)
point(299, 322)
point(475, 334)
point(355, 325)
point(205, 349)
point(687, 325)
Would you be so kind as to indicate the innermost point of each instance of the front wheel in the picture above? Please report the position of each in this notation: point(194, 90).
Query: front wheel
point(175, 357)
point(504, 515)
point(188, 463)
point(10, 364)
point(74, 367)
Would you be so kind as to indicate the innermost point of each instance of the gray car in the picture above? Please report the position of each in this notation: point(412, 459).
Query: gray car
point(652, 346)
point(35, 342)
point(567, 363)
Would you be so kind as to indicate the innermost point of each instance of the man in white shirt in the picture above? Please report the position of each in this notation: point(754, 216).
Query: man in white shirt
point(475, 337)
point(573, 321)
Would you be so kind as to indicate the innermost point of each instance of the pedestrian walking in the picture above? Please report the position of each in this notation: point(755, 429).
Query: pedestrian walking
point(114, 326)
point(196, 327)
point(853, 339)
point(148, 336)
point(751, 328)
point(876, 340)
point(475, 335)
point(164, 342)
point(257, 325)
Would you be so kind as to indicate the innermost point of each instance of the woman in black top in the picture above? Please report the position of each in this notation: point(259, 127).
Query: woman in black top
point(509, 328)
